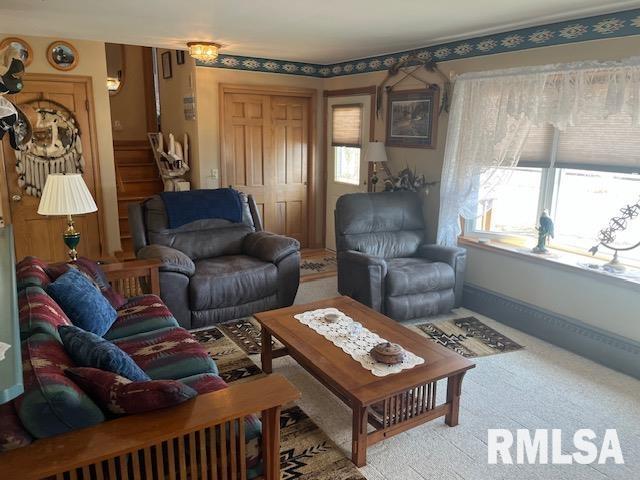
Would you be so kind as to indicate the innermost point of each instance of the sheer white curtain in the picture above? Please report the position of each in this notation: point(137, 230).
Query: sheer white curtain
point(492, 112)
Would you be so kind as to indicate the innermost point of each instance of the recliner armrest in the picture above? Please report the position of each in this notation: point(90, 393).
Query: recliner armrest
point(269, 247)
point(365, 260)
point(172, 260)
point(456, 257)
point(440, 253)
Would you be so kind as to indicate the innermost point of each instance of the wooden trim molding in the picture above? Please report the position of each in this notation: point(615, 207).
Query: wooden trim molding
point(607, 348)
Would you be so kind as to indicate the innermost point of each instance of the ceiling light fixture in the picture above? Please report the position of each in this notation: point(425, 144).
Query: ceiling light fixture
point(204, 51)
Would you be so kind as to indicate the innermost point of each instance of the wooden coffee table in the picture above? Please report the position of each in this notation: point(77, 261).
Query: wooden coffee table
point(391, 404)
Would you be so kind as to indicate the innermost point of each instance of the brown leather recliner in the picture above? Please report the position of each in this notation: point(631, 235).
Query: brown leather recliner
point(384, 262)
point(215, 270)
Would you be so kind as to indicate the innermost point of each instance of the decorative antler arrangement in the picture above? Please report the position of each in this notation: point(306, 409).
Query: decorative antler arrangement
point(412, 63)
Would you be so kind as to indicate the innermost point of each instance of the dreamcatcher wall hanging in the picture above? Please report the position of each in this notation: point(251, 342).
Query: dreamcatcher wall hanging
point(55, 146)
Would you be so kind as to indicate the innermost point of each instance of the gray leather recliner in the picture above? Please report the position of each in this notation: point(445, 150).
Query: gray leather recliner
point(384, 263)
point(215, 270)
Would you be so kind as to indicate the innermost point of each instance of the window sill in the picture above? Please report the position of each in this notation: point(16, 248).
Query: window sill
point(559, 259)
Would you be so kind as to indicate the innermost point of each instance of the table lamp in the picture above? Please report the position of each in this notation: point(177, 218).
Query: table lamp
point(375, 154)
point(67, 194)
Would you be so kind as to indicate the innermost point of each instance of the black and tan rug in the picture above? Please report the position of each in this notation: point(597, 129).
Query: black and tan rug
point(467, 336)
point(306, 452)
point(317, 264)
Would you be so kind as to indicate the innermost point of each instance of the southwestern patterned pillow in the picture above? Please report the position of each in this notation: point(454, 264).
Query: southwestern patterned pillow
point(120, 395)
point(31, 272)
point(51, 403)
point(39, 313)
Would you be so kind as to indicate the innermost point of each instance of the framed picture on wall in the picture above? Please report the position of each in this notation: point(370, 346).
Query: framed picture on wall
point(166, 64)
point(179, 57)
point(412, 118)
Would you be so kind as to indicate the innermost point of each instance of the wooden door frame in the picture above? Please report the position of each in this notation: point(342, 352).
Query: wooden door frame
point(346, 92)
point(88, 84)
point(282, 91)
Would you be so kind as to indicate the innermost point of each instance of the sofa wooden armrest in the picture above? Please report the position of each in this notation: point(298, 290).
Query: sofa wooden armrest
point(199, 439)
point(134, 277)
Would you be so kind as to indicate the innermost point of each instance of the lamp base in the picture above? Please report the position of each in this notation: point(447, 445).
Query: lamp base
point(71, 238)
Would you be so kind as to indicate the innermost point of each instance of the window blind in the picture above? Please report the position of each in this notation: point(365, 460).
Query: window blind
point(612, 144)
point(538, 147)
point(346, 125)
point(591, 143)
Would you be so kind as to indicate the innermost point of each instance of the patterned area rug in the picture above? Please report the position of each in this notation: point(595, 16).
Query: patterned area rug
point(319, 265)
point(467, 336)
point(306, 453)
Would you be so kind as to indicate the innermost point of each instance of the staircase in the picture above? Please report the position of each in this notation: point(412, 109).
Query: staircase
point(137, 178)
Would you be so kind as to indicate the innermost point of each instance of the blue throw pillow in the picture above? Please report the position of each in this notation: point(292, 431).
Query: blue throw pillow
point(83, 303)
point(89, 350)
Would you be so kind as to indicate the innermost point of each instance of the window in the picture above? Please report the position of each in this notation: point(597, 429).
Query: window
point(346, 140)
point(512, 208)
point(582, 176)
point(347, 165)
point(583, 203)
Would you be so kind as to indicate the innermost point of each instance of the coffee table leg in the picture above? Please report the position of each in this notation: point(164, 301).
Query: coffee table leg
point(359, 436)
point(266, 356)
point(454, 389)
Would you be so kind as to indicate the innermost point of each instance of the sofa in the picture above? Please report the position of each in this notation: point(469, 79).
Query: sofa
point(384, 261)
point(54, 411)
point(214, 269)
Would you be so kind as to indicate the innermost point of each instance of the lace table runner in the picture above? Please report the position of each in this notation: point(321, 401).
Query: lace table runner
point(355, 340)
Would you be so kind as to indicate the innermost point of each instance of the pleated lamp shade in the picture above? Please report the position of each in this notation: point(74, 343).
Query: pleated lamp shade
point(66, 194)
point(375, 153)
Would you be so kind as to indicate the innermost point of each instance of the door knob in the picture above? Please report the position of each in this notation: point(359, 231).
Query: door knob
point(16, 197)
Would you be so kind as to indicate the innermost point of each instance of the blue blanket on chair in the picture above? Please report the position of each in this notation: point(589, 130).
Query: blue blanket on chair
point(189, 206)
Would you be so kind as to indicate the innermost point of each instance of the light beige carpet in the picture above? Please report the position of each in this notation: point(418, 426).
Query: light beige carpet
point(306, 453)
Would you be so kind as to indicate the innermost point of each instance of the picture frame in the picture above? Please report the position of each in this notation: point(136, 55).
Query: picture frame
point(25, 52)
point(166, 64)
point(412, 118)
point(62, 55)
point(179, 57)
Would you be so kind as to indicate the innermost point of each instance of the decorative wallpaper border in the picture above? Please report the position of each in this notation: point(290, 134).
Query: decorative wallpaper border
point(613, 25)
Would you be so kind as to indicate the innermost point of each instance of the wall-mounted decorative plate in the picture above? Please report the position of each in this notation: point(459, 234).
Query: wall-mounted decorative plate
point(25, 53)
point(62, 55)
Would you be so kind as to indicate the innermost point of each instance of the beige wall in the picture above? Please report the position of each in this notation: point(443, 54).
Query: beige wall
point(92, 63)
point(599, 303)
point(128, 106)
point(578, 296)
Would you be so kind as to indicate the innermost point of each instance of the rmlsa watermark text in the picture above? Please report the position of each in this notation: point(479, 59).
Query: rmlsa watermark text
point(542, 446)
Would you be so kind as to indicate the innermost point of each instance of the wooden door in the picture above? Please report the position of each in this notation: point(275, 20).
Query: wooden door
point(290, 140)
point(265, 145)
point(35, 234)
point(337, 186)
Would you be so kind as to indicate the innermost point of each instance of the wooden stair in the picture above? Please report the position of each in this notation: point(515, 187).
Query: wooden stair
point(137, 178)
